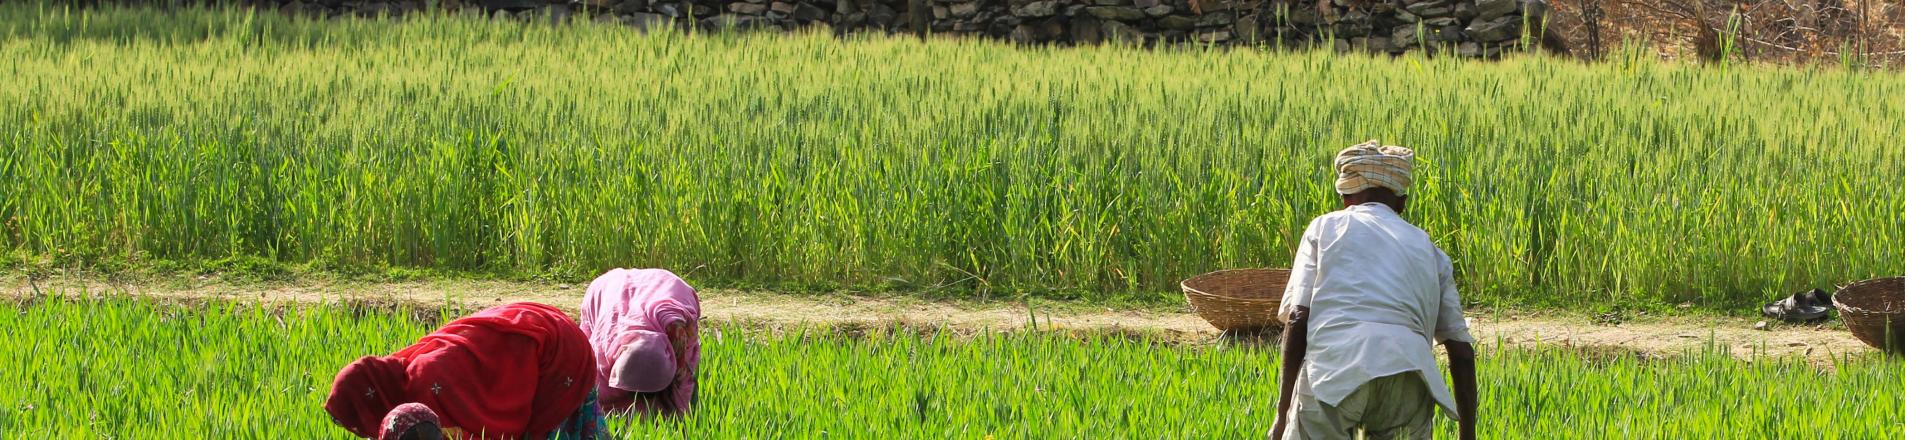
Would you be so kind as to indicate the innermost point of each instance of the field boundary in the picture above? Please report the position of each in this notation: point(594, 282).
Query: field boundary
point(1643, 336)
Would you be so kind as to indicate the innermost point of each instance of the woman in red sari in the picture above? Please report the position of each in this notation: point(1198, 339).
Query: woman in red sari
point(517, 371)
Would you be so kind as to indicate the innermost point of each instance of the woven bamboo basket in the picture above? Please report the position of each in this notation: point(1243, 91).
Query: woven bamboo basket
point(1875, 312)
point(1238, 299)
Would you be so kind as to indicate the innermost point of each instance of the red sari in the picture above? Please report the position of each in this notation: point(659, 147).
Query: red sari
point(509, 372)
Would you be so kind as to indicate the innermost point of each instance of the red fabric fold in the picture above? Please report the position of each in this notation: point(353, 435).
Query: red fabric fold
point(364, 392)
point(512, 371)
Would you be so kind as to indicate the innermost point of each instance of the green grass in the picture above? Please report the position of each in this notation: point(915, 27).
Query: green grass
point(122, 367)
point(134, 138)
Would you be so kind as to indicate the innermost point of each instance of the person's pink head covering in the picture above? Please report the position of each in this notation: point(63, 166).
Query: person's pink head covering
point(627, 305)
point(646, 363)
point(407, 416)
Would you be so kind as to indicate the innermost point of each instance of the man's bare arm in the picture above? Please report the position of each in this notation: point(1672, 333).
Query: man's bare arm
point(1296, 335)
point(1462, 366)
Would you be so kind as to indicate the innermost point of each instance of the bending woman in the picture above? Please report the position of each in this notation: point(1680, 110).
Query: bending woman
point(643, 325)
point(517, 371)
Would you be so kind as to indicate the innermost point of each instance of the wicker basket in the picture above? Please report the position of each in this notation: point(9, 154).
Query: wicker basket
point(1875, 312)
point(1238, 299)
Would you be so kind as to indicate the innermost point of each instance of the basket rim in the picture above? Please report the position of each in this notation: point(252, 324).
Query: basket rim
point(1838, 297)
point(1188, 289)
point(1216, 297)
point(1228, 312)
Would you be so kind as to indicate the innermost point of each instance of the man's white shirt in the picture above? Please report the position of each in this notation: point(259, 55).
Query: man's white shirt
point(1380, 295)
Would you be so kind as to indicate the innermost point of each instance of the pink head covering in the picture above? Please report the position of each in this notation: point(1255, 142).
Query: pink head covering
point(411, 415)
point(626, 307)
point(646, 363)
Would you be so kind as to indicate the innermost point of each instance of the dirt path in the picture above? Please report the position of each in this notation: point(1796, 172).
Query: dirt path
point(1648, 336)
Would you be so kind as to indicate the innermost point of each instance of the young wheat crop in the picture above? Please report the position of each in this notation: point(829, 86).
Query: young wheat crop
point(134, 138)
point(124, 367)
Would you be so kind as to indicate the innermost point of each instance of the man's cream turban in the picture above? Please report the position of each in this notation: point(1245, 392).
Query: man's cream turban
point(1370, 165)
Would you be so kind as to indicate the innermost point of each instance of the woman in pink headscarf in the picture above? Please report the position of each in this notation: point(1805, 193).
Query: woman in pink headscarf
point(643, 325)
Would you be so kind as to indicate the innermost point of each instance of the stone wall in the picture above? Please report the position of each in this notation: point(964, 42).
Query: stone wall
point(1473, 28)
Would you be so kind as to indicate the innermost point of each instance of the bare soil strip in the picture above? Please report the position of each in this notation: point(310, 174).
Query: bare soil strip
point(1640, 336)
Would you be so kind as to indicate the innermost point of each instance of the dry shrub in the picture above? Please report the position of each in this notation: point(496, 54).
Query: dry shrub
point(1867, 33)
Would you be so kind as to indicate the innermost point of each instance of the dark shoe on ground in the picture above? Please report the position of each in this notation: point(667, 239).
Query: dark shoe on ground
point(1809, 306)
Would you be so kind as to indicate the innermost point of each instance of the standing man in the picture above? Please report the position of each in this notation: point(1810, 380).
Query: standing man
point(1369, 294)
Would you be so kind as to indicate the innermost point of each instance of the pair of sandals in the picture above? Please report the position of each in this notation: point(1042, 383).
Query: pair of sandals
point(1804, 307)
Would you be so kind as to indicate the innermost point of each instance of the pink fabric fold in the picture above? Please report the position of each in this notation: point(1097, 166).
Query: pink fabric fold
point(621, 303)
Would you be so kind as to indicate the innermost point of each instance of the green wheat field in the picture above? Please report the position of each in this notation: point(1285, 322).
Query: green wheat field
point(811, 163)
point(220, 140)
point(223, 370)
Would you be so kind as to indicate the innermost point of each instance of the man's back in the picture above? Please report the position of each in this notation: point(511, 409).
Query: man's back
point(1379, 293)
point(1375, 268)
